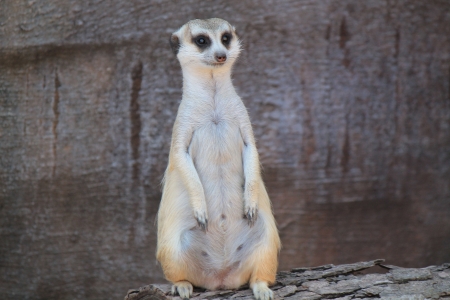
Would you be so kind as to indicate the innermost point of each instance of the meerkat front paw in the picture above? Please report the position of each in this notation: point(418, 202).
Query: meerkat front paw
point(261, 291)
point(251, 203)
point(182, 288)
point(202, 218)
point(251, 213)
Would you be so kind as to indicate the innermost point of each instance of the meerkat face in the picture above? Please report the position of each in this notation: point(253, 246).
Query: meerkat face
point(210, 43)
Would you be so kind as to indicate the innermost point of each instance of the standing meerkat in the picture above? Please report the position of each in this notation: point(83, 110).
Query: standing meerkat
point(216, 229)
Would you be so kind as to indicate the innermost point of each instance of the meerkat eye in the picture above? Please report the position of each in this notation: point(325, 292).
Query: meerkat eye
point(201, 41)
point(226, 38)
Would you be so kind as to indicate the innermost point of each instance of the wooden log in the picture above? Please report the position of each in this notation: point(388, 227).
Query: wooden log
point(342, 282)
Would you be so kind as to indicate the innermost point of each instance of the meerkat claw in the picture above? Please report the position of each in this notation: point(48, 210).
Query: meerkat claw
point(251, 215)
point(182, 288)
point(203, 224)
point(262, 292)
point(202, 221)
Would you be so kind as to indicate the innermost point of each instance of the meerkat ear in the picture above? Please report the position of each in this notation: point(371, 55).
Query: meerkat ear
point(174, 43)
point(234, 30)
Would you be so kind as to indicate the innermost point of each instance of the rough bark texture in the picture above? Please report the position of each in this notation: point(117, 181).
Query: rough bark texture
point(342, 282)
point(350, 102)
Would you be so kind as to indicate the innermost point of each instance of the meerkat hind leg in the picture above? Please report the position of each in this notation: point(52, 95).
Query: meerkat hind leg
point(183, 288)
point(264, 274)
point(261, 291)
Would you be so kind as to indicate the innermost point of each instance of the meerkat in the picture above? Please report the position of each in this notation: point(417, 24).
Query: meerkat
point(216, 229)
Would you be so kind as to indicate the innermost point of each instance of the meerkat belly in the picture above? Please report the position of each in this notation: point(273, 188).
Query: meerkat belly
point(216, 150)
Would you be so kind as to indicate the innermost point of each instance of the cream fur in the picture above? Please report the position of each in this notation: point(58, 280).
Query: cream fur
point(215, 224)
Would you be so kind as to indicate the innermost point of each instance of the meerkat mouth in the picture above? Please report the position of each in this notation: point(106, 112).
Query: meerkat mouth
point(215, 64)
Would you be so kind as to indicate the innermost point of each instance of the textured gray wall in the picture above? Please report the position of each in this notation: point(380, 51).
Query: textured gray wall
point(350, 102)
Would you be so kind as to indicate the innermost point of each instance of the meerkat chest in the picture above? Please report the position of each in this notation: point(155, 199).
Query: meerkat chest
point(217, 135)
point(217, 115)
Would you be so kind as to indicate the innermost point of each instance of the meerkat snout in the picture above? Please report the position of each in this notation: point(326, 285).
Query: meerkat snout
point(221, 57)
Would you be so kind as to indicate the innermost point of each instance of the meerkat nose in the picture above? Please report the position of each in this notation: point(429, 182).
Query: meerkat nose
point(221, 57)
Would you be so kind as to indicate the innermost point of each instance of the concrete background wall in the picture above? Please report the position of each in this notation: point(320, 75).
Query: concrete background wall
point(350, 102)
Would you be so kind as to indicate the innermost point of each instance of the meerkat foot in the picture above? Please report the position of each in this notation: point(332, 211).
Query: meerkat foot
point(251, 214)
point(182, 288)
point(261, 291)
point(202, 219)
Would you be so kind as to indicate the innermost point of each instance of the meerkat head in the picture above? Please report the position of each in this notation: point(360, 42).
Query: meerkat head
point(210, 43)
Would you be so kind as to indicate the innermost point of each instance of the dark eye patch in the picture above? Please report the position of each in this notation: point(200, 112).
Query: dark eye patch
point(202, 41)
point(226, 39)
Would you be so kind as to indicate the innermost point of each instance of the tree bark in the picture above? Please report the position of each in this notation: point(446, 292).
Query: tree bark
point(343, 282)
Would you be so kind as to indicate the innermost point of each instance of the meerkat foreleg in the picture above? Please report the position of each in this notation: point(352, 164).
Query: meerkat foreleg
point(188, 173)
point(251, 172)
